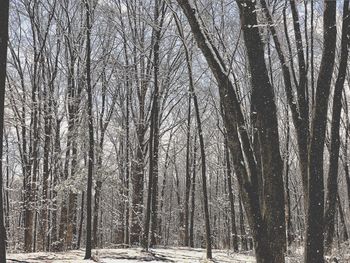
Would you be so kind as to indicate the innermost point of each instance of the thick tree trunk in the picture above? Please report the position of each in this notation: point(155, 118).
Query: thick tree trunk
point(152, 198)
point(314, 247)
point(269, 221)
point(299, 110)
point(332, 180)
point(155, 151)
point(264, 105)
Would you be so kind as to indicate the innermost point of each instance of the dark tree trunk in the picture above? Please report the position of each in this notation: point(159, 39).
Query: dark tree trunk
point(145, 240)
point(152, 197)
point(91, 134)
point(155, 151)
point(345, 157)
point(7, 194)
point(4, 14)
point(314, 245)
point(268, 222)
point(263, 104)
point(299, 110)
point(332, 180)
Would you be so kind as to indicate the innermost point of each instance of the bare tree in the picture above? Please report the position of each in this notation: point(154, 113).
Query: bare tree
point(91, 131)
point(4, 16)
point(332, 180)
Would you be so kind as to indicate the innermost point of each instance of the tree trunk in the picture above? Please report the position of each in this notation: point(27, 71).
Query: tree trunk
point(332, 180)
point(81, 220)
point(243, 234)
point(204, 177)
point(231, 197)
point(46, 168)
point(314, 247)
point(155, 151)
point(268, 222)
point(4, 14)
point(342, 220)
point(95, 231)
point(72, 200)
point(188, 174)
point(290, 234)
point(193, 191)
point(152, 195)
point(201, 141)
point(56, 175)
point(91, 134)
point(127, 168)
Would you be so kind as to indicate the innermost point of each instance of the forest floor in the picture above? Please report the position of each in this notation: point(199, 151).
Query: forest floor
point(133, 255)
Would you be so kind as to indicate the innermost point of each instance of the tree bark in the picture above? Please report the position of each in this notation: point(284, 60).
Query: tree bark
point(314, 246)
point(342, 220)
point(243, 234)
point(193, 192)
point(91, 133)
point(4, 16)
point(231, 197)
point(188, 175)
point(332, 180)
point(81, 220)
point(152, 195)
point(268, 224)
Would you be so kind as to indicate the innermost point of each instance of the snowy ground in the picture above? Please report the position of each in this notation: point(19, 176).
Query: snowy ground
point(132, 255)
point(159, 255)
